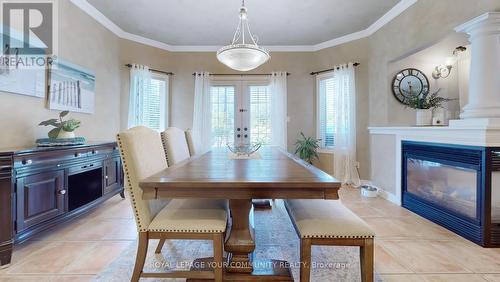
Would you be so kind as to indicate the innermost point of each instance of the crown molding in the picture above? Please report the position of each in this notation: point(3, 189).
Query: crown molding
point(118, 31)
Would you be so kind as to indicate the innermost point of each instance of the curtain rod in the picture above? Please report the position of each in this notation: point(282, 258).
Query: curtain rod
point(322, 71)
point(153, 70)
point(243, 74)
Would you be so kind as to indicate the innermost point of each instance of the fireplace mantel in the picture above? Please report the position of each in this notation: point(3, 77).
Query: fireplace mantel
point(385, 147)
point(457, 133)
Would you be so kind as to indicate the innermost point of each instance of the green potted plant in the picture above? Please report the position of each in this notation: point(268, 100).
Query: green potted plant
point(63, 129)
point(425, 103)
point(307, 148)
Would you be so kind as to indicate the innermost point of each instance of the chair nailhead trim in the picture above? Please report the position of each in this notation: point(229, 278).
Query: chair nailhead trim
point(164, 143)
point(339, 237)
point(132, 196)
point(186, 230)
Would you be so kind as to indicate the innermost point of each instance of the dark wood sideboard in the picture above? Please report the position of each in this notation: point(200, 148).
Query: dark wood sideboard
point(43, 187)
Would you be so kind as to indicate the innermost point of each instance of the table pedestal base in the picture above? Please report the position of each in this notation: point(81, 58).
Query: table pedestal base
point(263, 270)
point(262, 204)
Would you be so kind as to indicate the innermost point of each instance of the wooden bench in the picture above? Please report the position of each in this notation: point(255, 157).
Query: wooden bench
point(328, 222)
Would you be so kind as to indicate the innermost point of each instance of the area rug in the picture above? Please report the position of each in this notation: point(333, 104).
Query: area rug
point(275, 238)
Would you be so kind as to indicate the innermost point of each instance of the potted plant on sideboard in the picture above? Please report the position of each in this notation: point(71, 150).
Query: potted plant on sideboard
point(63, 129)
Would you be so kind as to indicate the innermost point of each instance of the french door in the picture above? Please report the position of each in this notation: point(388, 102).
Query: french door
point(241, 112)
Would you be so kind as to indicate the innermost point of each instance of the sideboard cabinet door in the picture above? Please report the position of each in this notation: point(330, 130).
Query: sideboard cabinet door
point(40, 197)
point(112, 169)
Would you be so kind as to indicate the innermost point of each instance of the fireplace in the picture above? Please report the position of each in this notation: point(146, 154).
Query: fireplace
point(455, 186)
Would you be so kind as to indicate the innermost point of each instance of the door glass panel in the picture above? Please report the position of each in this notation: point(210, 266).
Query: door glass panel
point(260, 114)
point(223, 105)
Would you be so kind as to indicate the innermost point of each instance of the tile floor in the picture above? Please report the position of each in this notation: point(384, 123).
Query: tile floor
point(408, 247)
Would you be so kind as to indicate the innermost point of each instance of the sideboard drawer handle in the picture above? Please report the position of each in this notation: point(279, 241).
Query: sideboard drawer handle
point(61, 192)
point(27, 162)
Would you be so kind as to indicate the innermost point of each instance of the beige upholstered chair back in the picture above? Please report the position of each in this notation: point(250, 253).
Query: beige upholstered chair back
point(142, 155)
point(175, 144)
point(190, 141)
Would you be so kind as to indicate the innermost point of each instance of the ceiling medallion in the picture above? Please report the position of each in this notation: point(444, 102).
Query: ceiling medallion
point(239, 55)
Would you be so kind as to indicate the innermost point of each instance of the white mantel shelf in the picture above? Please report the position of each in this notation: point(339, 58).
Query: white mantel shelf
point(487, 136)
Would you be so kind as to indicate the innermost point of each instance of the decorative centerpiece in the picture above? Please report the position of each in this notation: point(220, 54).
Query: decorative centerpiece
point(425, 103)
point(63, 132)
point(307, 148)
point(244, 150)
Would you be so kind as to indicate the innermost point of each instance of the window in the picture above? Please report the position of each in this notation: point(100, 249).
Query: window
point(260, 114)
point(326, 110)
point(223, 105)
point(154, 104)
point(150, 105)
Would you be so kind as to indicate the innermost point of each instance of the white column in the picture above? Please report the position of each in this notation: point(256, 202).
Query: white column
point(484, 83)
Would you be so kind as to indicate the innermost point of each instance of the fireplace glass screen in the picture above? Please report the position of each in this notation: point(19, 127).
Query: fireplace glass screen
point(453, 188)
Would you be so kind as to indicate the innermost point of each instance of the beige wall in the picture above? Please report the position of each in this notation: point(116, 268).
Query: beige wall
point(422, 25)
point(84, 42)
point(301, 85)
point(325, 162)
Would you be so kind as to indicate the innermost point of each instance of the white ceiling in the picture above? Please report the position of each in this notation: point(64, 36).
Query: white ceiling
point(199, 25)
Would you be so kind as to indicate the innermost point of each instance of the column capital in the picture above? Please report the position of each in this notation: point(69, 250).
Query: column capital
point(488, 22)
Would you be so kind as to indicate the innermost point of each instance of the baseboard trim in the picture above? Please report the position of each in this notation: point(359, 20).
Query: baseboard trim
point(389, 196)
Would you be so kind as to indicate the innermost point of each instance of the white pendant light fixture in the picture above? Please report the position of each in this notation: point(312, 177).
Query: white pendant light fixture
point(239, 55)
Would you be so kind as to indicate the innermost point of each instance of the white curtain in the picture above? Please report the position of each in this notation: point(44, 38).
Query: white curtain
point(279, 113)
point(202, 115)
point(140, 79)
point(345, 125)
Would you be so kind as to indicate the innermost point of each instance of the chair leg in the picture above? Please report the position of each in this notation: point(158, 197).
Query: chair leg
point(366, 259)
point(305, 260)
point(218, 242)
point(142, 249)
point(160, 246)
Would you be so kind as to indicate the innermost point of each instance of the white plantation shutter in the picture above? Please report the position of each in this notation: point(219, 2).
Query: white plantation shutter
point(154, 104)
point(326, 111)
point(222, 101)
point(260, 114)
point(148, 100)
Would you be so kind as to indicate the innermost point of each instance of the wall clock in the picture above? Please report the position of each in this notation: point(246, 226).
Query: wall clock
point(409, 81)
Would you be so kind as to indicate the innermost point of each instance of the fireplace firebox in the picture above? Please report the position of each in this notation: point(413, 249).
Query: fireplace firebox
point(455, 186)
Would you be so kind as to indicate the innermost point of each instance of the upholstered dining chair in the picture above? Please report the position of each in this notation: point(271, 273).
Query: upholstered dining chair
point(175, 145)
point(190, 141)
point(177, 150)
point(143, 155)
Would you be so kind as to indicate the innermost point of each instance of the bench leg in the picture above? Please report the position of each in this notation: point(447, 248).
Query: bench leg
point(305, 260)
point(366, 259)
point(218, 256)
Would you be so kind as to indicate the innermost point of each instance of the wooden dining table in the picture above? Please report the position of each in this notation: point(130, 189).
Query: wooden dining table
point(273, 174)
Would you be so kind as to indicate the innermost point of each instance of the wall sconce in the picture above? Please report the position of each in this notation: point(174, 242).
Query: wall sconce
point(444, 70)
